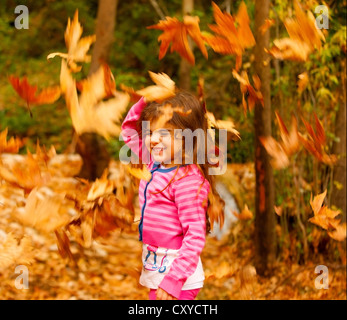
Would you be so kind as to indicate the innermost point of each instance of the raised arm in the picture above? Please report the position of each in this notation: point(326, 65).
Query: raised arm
point(130, 132)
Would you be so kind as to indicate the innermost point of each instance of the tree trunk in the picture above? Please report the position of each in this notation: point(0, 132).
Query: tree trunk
point(265, 241)
point(338, 195)
point(185, 67)
point(92, 147)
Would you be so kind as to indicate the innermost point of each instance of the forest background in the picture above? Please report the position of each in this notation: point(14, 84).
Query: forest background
point(297, 247)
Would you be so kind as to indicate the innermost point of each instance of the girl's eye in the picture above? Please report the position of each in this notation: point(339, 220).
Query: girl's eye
point(164, 133)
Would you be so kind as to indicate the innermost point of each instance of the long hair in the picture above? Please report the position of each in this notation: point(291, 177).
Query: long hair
point(193, 118)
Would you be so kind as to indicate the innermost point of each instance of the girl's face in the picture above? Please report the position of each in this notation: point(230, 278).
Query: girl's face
point(161, 143)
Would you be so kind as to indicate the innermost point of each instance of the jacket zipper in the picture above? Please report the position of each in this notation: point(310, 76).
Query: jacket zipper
point(144, 204)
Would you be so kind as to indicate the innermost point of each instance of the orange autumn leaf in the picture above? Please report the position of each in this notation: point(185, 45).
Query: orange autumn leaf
point(245, 214)
point(29, 92)
point(339, 234)
point(134, 96)
point(43, 211)
point(315, 142)
point(228, 38)
point(281, 151)
point(77, 47)
point(140, 173)
point(304, 37)
point(266, 25)
point(164, 88)
point(89, 111)
point(11, 145)
point(26, 174)
point(100, 187)
point(176, 33)
point(254, 93)
point(13, 251)
point(323, 216)
point(302, 82)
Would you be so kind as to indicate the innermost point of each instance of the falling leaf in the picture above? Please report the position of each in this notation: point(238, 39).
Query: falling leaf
point(140, 173)
point(89, 113)
point(134, 96)
point(77, 47)
point(278, 210)
point(164, 88)
point(63, 244)
point(302, 82)
point(26, 174)
point(29, 92)
point(221, 124)
point(304, 37)
point(228, 38)
point(315, 143)
point(266, 25)
point(215, 210)
point(323, 216)
point(245, 214)
point(100, 187)
point(339, 234)
point(282, 151)
point(11, 145)
point(254, 94)
point(42, 211)
point(176, 33)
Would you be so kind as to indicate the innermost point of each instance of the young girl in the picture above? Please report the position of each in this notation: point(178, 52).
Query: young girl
point(174, 203)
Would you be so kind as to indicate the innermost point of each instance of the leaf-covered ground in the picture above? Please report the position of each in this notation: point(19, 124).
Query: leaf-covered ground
point(110, 267)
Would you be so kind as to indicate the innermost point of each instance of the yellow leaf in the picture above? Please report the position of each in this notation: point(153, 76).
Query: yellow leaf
point(164, 88)
point(77, 47)
point(139, 173)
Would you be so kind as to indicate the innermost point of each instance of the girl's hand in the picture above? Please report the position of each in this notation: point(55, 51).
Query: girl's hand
point(163, 295)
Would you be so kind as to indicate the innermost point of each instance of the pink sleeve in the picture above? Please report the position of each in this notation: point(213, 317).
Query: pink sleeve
point(130, 134)
point(192, 215)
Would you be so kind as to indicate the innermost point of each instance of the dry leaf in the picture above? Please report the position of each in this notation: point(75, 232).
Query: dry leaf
point(140, 173)
point(266, 25)
point(323, 216)
point(339, 234)
point(254, 94)
point(282, 151)
point(17, 252)
point(304, 37)
point(228, 38)
point(30, 95)
point(77, 47)
point(42, 211)
point(164, 88)
point(176, 33)
point(316, 142)
point(245, 214)
point(302, 82)
point(11, 145)
point(89, 113)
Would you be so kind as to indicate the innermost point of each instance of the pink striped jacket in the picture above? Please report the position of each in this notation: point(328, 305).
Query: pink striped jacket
point(174, 218)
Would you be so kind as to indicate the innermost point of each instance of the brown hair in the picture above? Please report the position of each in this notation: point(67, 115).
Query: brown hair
point(192, 117)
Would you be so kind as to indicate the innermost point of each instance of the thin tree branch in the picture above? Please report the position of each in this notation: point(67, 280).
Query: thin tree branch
point(157, 8)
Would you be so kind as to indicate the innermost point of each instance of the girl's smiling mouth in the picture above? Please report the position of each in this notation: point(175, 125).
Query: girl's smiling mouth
point(158, 149)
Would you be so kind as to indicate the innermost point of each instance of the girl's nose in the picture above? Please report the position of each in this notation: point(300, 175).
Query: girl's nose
point(156, 137)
